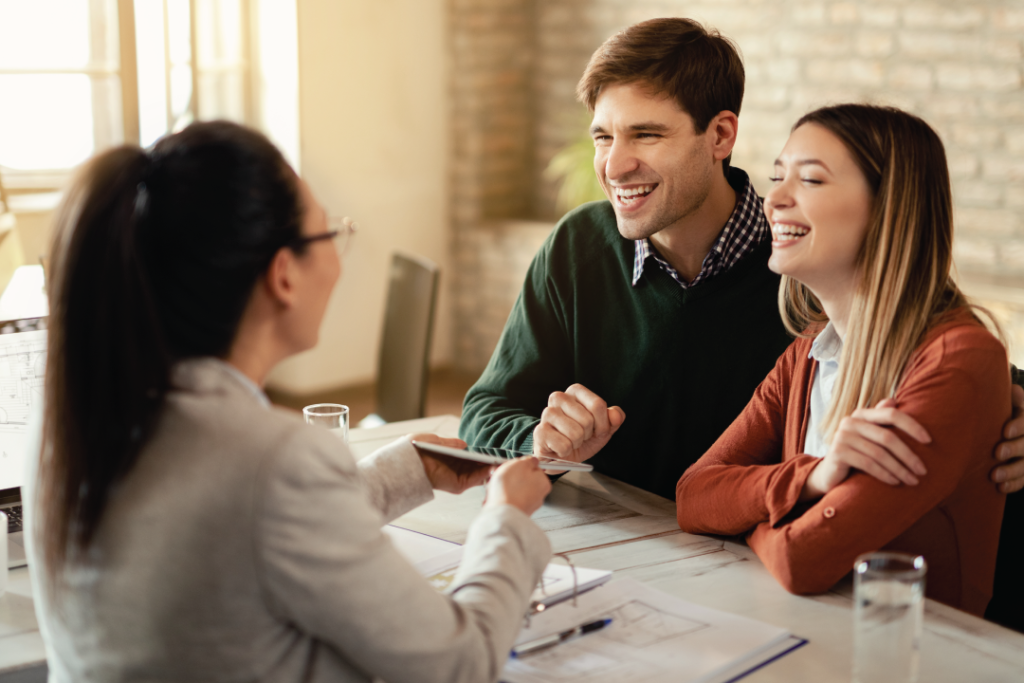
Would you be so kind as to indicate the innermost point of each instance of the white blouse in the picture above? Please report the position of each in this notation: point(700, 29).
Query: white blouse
point(826, 350)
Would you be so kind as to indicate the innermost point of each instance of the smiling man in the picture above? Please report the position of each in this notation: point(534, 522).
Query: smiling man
point(657, 304)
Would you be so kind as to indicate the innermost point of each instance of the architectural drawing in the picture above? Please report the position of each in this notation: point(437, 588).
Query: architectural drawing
point(554, 666)
point(22, 366)
point(635, 624)
point(639, 625)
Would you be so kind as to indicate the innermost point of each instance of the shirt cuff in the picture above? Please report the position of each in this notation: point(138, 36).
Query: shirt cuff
point(786, 486)
point(526, 445)
point(498, 527)
point(395, 480)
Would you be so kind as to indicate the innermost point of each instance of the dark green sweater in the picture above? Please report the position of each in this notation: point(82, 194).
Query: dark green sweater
point(682, 364)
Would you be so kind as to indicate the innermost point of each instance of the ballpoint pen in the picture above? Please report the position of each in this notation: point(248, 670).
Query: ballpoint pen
point(552, 640)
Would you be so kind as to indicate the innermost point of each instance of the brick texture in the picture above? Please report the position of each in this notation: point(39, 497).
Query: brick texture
point(516, 62)
point(493, 56)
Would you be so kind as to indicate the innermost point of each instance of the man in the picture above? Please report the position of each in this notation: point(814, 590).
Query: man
point(658, 302)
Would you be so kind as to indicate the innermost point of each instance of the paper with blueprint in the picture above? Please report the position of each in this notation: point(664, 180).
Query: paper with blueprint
point(22, 370)
point(653, 637)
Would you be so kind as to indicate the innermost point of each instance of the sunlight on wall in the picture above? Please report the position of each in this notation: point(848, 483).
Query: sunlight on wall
point(373, 104)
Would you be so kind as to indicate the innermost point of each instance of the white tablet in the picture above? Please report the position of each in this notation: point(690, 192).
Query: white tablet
point(497, 456)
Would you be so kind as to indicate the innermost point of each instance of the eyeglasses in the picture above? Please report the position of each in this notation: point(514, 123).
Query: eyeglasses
point(341, 232)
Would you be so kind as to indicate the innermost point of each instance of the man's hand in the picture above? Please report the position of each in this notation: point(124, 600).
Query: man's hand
point(1010, 475)
point(453, 475)
point(576, 424)
point(862, 442)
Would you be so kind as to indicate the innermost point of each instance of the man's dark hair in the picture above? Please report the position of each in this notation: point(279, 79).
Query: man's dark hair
point(678, 58)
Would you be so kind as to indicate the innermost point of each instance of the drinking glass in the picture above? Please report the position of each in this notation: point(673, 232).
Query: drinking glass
point(887, 617)
point(333, 416)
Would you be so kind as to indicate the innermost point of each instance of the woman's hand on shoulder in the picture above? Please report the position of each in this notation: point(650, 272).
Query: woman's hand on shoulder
point(452, 475)
point(864, 441)
point(520, 483)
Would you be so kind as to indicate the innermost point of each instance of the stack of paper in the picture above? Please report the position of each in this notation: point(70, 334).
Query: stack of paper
point(653, 637)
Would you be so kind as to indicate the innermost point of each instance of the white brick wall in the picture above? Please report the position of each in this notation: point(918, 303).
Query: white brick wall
point(957, 64)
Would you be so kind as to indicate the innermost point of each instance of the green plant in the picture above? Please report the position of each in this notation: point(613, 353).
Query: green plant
point(574, 166)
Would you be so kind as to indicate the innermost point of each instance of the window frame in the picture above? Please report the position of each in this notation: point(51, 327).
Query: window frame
point(17, 181)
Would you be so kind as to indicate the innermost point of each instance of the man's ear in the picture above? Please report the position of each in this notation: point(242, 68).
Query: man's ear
point(279, 280)
point(722, 134)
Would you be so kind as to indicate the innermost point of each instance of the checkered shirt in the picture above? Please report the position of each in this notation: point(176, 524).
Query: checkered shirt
point(746, 228)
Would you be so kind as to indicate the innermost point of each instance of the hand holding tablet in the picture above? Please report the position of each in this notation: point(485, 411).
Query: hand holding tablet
point(498, 456)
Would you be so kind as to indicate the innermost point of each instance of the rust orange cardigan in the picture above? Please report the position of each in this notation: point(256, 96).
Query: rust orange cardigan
point(957, 385)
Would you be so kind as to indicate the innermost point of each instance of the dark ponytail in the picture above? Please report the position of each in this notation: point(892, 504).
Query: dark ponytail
point(154, 259)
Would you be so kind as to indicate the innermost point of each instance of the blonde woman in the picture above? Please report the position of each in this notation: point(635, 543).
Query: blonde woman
point(819, 468)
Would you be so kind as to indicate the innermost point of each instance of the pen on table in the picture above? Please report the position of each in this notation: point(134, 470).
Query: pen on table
point(552, 640)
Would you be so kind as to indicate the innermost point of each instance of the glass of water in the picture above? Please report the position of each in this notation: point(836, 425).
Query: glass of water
point(333, 416)
point(888, 615)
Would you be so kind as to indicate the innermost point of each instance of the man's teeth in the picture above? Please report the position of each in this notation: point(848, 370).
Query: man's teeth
point(785, 232)
point(630, 194)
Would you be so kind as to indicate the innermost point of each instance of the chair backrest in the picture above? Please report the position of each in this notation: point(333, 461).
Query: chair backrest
point(405, 343)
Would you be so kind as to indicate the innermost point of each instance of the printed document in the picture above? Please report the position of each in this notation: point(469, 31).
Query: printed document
point(653, 637)
point(22, 368)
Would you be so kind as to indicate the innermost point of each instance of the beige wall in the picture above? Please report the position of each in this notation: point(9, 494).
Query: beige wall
point(374, 145)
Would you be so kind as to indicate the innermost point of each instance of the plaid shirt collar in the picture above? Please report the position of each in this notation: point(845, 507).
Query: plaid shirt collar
point(746, 228)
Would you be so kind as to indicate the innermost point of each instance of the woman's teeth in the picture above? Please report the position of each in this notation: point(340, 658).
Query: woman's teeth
point(784, 232)
point(628, 195)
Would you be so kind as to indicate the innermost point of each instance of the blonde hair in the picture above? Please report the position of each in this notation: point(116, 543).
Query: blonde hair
point(905, 261)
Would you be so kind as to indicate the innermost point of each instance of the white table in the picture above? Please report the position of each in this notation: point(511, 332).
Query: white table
point(605, 524)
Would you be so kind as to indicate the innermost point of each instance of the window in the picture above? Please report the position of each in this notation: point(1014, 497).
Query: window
point(77, 76)
point(60, 86)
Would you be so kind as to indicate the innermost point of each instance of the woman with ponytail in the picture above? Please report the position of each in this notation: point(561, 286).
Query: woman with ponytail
point(820, 467)
point(179, 527)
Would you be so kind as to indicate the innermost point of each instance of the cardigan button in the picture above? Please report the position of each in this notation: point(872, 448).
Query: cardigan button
point(829, 512)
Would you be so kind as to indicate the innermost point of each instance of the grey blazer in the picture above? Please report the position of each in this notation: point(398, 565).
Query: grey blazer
point(246, 546)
